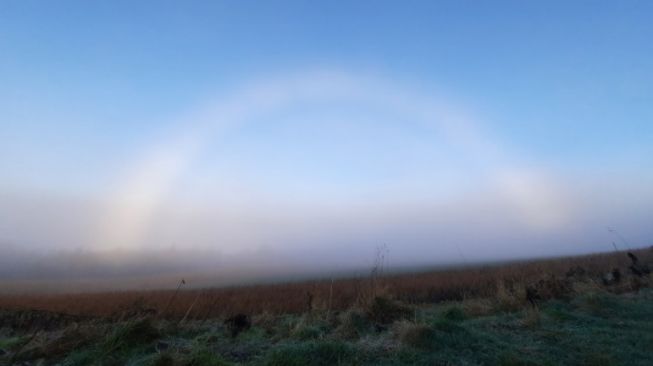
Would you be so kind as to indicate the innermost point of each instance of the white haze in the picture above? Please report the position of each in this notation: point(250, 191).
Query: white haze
point(428, 181)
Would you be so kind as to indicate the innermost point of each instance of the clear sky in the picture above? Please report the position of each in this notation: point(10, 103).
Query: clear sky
point(502, 128)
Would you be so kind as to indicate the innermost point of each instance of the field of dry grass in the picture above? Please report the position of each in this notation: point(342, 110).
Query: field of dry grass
point(475, 282)
point(540, 312)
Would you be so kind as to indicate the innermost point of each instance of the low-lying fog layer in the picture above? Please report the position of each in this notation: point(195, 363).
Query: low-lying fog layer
point(214, 248)
point(226, 142)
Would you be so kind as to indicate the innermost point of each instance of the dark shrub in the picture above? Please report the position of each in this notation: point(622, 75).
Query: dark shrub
point(385, 311)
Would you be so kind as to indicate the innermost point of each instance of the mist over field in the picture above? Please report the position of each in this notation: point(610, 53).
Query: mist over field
point(193, 141)
point(333, 241)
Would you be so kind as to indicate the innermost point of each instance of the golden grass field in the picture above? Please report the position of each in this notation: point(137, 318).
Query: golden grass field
point(463, 283)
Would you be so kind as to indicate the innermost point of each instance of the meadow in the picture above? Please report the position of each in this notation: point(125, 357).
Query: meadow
point(594, 309)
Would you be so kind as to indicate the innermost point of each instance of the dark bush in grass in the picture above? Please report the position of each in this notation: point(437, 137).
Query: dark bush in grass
point(454, 313)
point(385, 311)
point(133, 334)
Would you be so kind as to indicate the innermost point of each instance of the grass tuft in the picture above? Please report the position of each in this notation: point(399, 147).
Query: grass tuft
point(324, 353)
point(454, 313)
point(353, 324)
point(414, 335)
point(132, 334)
point(383, 310)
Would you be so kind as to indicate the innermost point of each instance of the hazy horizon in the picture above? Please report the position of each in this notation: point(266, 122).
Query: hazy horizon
point(293, 137)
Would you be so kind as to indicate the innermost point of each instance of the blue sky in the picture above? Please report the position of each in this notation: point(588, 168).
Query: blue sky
point(565, 89)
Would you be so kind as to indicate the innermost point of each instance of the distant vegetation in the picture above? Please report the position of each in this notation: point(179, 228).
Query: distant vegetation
point(484, 281)
point(592, 310)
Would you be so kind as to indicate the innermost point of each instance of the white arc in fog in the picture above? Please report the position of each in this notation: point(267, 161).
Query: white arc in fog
point(531, 191)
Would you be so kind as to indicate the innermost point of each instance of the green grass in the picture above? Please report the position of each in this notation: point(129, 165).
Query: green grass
point(328, 352)
point(592, 329)
point(10, 342)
